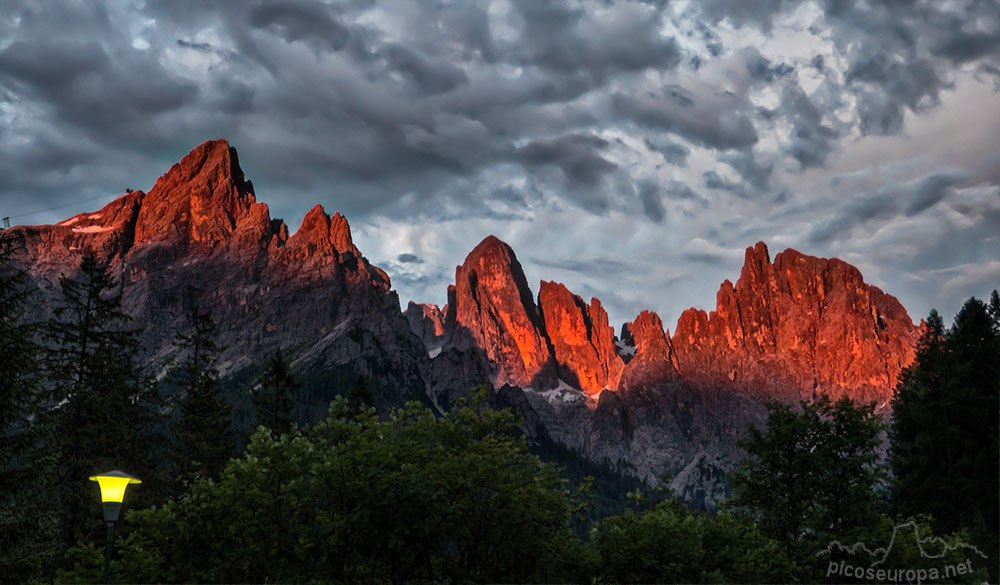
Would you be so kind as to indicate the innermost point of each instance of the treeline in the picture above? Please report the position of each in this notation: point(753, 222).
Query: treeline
point(75, 401)
point(415, 497)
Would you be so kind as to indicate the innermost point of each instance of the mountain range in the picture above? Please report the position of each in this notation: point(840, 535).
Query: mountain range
point(644, 402)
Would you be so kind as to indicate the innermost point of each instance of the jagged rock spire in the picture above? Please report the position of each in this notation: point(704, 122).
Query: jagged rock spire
point(199, 200)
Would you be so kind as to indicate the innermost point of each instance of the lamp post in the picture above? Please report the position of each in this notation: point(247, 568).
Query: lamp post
point(113, 484)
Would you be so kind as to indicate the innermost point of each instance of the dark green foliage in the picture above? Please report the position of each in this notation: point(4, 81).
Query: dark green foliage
point(670, 543)
point(945, 440)
point(361, 397)
point(203, 442)
point(413, 498)
point(23, 549)
point(814, 478)
point(100, 407)
point(274, 395)
point(812, 475)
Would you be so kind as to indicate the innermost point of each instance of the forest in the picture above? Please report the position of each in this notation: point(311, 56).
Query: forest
point(414, 496)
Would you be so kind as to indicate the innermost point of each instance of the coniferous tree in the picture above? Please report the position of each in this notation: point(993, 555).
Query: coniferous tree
point(23, 516)
point(274, 396)
point(995, 310)
point(361, 397)
point(203, 442)
point(915, 454)
point(100, 406)
point(945, 449)
point(811, 474)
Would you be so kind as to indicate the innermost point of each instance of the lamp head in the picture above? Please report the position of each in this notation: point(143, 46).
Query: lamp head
point(113, 484)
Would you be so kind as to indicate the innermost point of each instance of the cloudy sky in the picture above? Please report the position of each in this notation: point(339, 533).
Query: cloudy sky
point(630, 149)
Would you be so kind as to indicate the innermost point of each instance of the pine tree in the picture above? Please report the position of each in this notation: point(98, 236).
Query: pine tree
point(918, 416)
point(273, 398)
point(203, 442)
point(23, 549)
point(995, 310)
point(100, 406)
point(945, 440)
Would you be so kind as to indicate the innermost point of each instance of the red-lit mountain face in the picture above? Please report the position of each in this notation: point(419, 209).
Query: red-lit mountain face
point(649, 403)
point(797, 327)
point(200, 238)
point(787, 330)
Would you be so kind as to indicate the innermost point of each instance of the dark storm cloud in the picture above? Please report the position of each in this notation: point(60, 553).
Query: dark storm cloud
point(409, 259)
point(930, 192)
point(576, 155)
point(894, 201)
point(87, 88)
point(51, 66)
point(673, 153)
point(967, 47)
point(680, 191)
point(709, 257)
point(85, 104)
point(429, 76)
point(762, 69)
point(714, 121)
point(333, 94)
point(301, 21)
point(755, 174)
point(898, 53)
point(889, 67)
point(652, 201)
point(914, 85)
point(714, 181)
point(623, 37)
point(410, 115)
point(863, 208)
point(740, 13)
point(204, 47)
point(595, 267)
point(812, 140)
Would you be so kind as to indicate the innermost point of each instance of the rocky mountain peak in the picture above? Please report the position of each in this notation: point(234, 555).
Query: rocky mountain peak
point(322, 234)
point(199, 200)
point(426, 321)
point(795, 328)
point(491, 307)
point(582, 341)
point(654, 361)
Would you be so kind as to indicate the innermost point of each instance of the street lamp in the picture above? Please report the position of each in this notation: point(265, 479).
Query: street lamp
point(113, 484)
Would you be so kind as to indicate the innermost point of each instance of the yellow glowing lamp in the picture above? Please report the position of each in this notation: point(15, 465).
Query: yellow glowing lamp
point(113, 484)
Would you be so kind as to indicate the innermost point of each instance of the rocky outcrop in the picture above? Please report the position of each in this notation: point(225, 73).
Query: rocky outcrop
point(795, 328)
point(654, 360)
point(426, 321)
point(321, 237)
point(198, 201)
point(200, 238)
point(582, 341)
point(490, 308)
point(679, 404)
point(104, 234)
